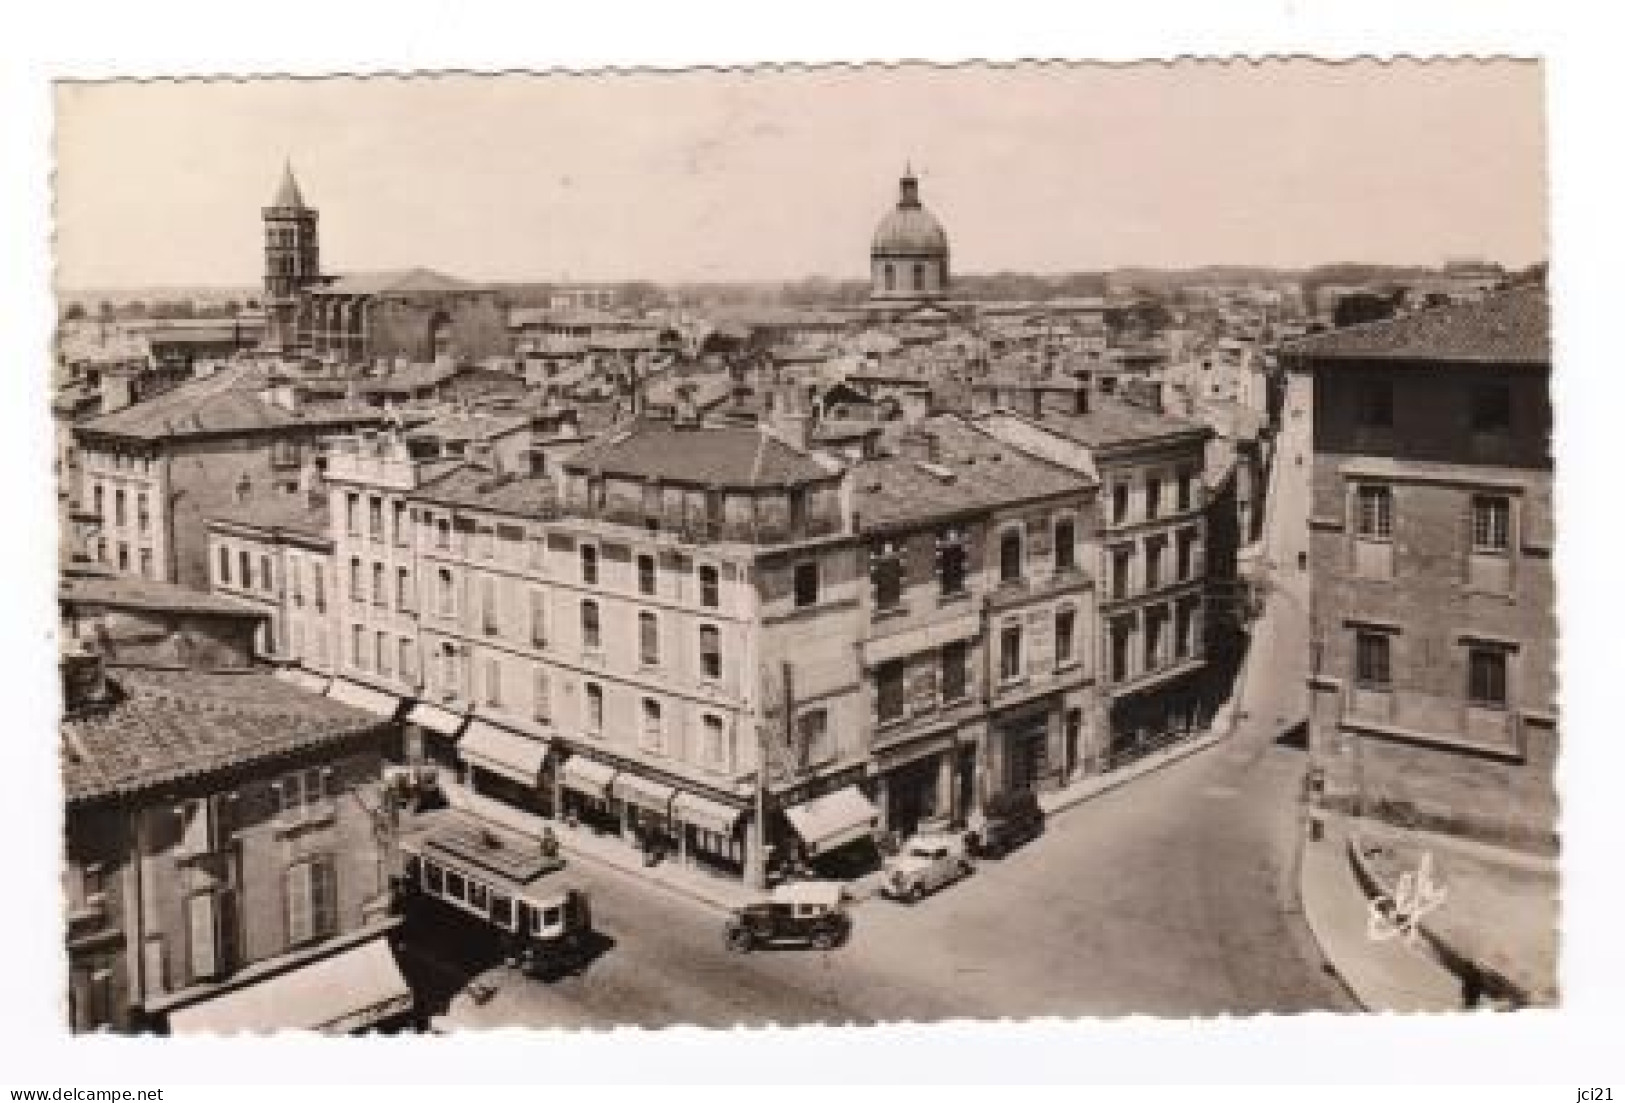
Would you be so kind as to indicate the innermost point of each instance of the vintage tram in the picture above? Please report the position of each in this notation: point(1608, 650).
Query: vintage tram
point(504, 881)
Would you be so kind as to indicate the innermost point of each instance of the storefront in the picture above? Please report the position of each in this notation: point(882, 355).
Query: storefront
point(1030, 761)
point(708, 833)
point(350, 987)
point(646, 811)
point(914, 782)
point(1163, 713)
point(584, 794)
point(507, 766)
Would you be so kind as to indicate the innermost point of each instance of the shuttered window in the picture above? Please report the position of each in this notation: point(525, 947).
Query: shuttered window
point(311, 893)
point(202, 936)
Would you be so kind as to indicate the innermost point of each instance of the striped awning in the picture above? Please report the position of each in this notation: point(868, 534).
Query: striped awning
point(703, 812)
point(428, 715)
point(643, 792)
point(834, 819)
point(586, 775)
point(509, 754)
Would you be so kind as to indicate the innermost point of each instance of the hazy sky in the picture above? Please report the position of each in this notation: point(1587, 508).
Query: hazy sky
point(784, 174)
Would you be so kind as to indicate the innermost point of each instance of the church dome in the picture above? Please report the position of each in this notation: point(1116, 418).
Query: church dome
point(909, 229)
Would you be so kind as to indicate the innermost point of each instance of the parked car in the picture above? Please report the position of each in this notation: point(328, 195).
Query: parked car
point(1007, 821)
point(801, 913)
point(924, 864)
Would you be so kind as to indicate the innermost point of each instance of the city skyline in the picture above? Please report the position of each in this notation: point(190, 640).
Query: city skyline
point(760, 177)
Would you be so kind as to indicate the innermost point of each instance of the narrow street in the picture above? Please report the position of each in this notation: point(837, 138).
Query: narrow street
point(1172, 895)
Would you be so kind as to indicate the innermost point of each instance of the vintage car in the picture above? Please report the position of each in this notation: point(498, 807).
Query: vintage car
point(924, 864)
point(801, 913)
point(1008, 820)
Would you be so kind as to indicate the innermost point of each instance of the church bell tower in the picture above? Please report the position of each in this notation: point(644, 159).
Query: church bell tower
point(292, 262)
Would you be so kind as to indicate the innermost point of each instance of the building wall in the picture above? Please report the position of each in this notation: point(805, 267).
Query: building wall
point(136, 544)
point(933, 277)
point(256, 846)
point(374, 584)
point(1419, 744)
point(400, 325)
point(1130, 597)
point(96, 888)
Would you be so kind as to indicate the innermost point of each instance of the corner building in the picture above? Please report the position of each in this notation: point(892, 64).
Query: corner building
point(1431, 533)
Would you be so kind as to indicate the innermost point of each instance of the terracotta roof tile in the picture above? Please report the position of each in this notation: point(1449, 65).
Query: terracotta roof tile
point(735, 456)
point(173, 725)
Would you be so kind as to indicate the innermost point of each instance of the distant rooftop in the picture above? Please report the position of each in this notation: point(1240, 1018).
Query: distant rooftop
point(476, 487)
point(227, 402)
point(125, 592)
point(402, 282)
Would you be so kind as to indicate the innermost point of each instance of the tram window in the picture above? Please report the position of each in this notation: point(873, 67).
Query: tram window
point(433, 878)
point(454, 885)
point(502, 910)
point(477, 895)
point(552, 916)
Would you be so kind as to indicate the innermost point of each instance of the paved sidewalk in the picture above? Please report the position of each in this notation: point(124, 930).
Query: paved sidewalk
point(1382, 975)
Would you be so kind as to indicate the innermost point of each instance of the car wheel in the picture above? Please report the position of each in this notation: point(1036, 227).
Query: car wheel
point(966, 868)
point(913, 893)
point(824, 940)
point(739, 942)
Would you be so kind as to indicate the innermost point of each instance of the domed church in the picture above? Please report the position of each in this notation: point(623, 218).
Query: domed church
point(909, 257)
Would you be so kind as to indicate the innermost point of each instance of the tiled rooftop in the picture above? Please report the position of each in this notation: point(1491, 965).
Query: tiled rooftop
point(973, 472)
point(722, 456)
point(140, 593)
point(1507, 327)
point(475, 487)
point(1111, 421)
point(226, 402)
point(402, 282)
point(173, 725)
point(281, 513)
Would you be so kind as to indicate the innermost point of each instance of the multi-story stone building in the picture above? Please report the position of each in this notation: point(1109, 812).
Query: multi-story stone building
point(1151, 551)
point(278, 555)
point(977, 643)
point(156, 471)
point(1430, 550)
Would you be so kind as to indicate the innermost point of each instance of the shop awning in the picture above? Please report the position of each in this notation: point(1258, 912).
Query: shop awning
point(348, 991)
point(834, 819)
point(514, 756)
point(304, 679)
point(642, 791)
point(928, 637)
point(356, 695)
point(436, 719)
point(705, 813)
point(587, 776)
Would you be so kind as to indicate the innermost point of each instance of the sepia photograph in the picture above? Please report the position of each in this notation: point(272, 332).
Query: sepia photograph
point(799, 545)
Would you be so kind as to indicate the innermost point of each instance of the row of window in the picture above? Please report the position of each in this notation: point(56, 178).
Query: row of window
point(118, 554)
point(121, 515)
point(1486, 668)
point(1489, 517)
point(1489, 407)
point(1187, 562)
point(486, 539)
point(449, 672)
point(398, 514)
point(592, 635)
point(383, 654)
point(118, 461)
point(1186, 496)
point(953, 681)
point(244, 576)
point(1158, 646)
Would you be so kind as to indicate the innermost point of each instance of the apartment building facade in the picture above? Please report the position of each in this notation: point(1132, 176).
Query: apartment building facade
point(278, 555)
point(1434, 630)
